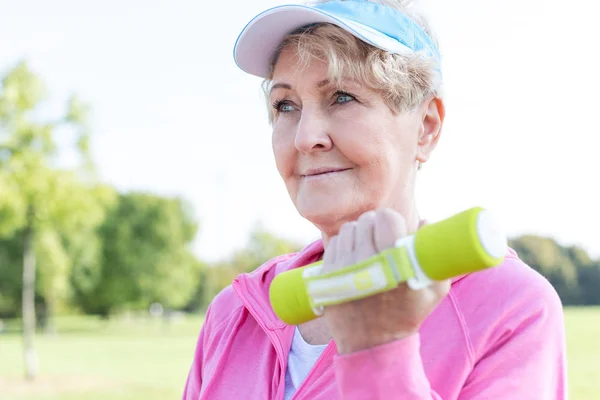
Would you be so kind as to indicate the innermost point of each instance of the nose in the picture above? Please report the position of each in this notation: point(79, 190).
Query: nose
point(312, 132)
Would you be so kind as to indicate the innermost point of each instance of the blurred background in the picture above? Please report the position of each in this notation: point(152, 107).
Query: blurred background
point(137, 180)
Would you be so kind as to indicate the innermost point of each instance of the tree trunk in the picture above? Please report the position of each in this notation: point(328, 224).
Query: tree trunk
point(31, 358)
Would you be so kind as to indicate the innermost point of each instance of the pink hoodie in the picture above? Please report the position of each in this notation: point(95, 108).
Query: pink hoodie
point(499, 334)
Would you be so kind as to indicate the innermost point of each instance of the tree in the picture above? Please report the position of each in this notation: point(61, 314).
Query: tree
point(42, 204)
point(262, 246)
point(144, 256)
point(589, 283)
point(11, 276)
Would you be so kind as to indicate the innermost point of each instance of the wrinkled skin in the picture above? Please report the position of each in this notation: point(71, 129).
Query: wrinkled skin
point(349, 164)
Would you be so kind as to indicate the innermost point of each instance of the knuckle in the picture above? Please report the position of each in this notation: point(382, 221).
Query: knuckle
point(392, 220)
point(367, 217)
point(332, 242)
point(388, 213)
point(349, 225)
point(347, 228)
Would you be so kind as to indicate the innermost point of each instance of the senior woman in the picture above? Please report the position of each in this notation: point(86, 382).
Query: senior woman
point(355, 108)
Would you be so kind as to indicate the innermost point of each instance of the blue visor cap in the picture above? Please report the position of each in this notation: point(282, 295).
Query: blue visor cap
point(381, 26)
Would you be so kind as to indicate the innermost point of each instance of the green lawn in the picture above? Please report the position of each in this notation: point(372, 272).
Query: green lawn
point(583, 351)
point(93, 360)
point(146, 359)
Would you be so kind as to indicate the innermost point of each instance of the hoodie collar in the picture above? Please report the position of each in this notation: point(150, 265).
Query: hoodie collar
point(253, 288)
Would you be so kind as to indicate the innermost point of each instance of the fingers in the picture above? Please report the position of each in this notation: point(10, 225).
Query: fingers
point(364, 235)
point(373, 232)
point(329, 255)
point(344, 250)
point(389, 227)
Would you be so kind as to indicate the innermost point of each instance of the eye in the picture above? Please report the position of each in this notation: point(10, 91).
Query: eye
point(283, 106)
point(342, 97)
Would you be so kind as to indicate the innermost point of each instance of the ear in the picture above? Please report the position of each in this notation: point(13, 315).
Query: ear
point(432, 114)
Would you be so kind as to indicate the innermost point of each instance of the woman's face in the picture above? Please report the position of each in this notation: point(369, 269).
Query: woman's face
point(342, 151)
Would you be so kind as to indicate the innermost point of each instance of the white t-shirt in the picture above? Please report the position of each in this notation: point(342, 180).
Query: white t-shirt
point(301, 359)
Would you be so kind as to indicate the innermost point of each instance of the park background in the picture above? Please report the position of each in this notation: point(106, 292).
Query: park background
point(136, 176)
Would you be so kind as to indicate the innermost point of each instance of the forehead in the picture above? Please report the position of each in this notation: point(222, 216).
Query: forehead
point(294, 73)
point(290, 64)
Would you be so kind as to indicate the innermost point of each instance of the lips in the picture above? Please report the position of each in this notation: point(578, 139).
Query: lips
point(322, 171)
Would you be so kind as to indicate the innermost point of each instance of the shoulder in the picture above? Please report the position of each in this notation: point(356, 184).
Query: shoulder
point(511, 283)
point(506, 299)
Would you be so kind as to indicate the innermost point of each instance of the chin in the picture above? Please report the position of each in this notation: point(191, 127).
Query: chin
point(329, 213)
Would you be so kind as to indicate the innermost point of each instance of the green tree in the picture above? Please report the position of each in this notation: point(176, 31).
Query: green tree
point(41, 204)
point(589, 283)
point(261, 246)
point(11, 275)
point(144, 257)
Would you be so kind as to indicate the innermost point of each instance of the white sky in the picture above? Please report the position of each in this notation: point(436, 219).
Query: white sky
point(173, 114)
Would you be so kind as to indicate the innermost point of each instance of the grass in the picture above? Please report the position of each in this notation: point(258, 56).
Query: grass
point(93, 359)
point(583, 351)
point(149, 359)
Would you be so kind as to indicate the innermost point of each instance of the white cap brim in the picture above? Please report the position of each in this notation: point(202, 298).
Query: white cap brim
point(261, 38)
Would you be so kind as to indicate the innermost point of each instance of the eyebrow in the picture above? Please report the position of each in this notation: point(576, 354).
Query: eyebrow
point(323, 83)
point(280, 86)
point(320, 85)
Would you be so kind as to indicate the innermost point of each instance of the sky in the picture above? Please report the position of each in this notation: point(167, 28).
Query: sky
point(173, 115)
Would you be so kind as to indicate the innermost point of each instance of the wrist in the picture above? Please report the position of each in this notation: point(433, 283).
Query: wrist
point(360, 343)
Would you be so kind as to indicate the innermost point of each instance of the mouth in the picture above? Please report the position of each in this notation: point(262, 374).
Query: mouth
point(322, 172)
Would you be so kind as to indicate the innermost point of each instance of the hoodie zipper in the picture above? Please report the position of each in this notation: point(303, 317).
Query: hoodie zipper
point(316, 367)
point(239, 286)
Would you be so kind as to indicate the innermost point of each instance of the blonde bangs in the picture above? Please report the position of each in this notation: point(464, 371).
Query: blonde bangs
point(403, 81)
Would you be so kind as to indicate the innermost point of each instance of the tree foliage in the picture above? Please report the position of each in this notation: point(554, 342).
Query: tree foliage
point(143, 256)
point(41, 203)
point(261, 246)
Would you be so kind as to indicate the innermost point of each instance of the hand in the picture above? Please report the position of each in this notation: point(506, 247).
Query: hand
point(384, 317)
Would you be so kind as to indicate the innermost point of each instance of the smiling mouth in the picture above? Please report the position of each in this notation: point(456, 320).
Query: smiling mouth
point(325, 173)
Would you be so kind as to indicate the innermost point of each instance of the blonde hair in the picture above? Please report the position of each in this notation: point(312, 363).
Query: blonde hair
point(404, 81)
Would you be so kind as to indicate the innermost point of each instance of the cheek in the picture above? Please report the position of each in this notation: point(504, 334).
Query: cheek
point(284, 153)
point(378, 145)
point(363, 142)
